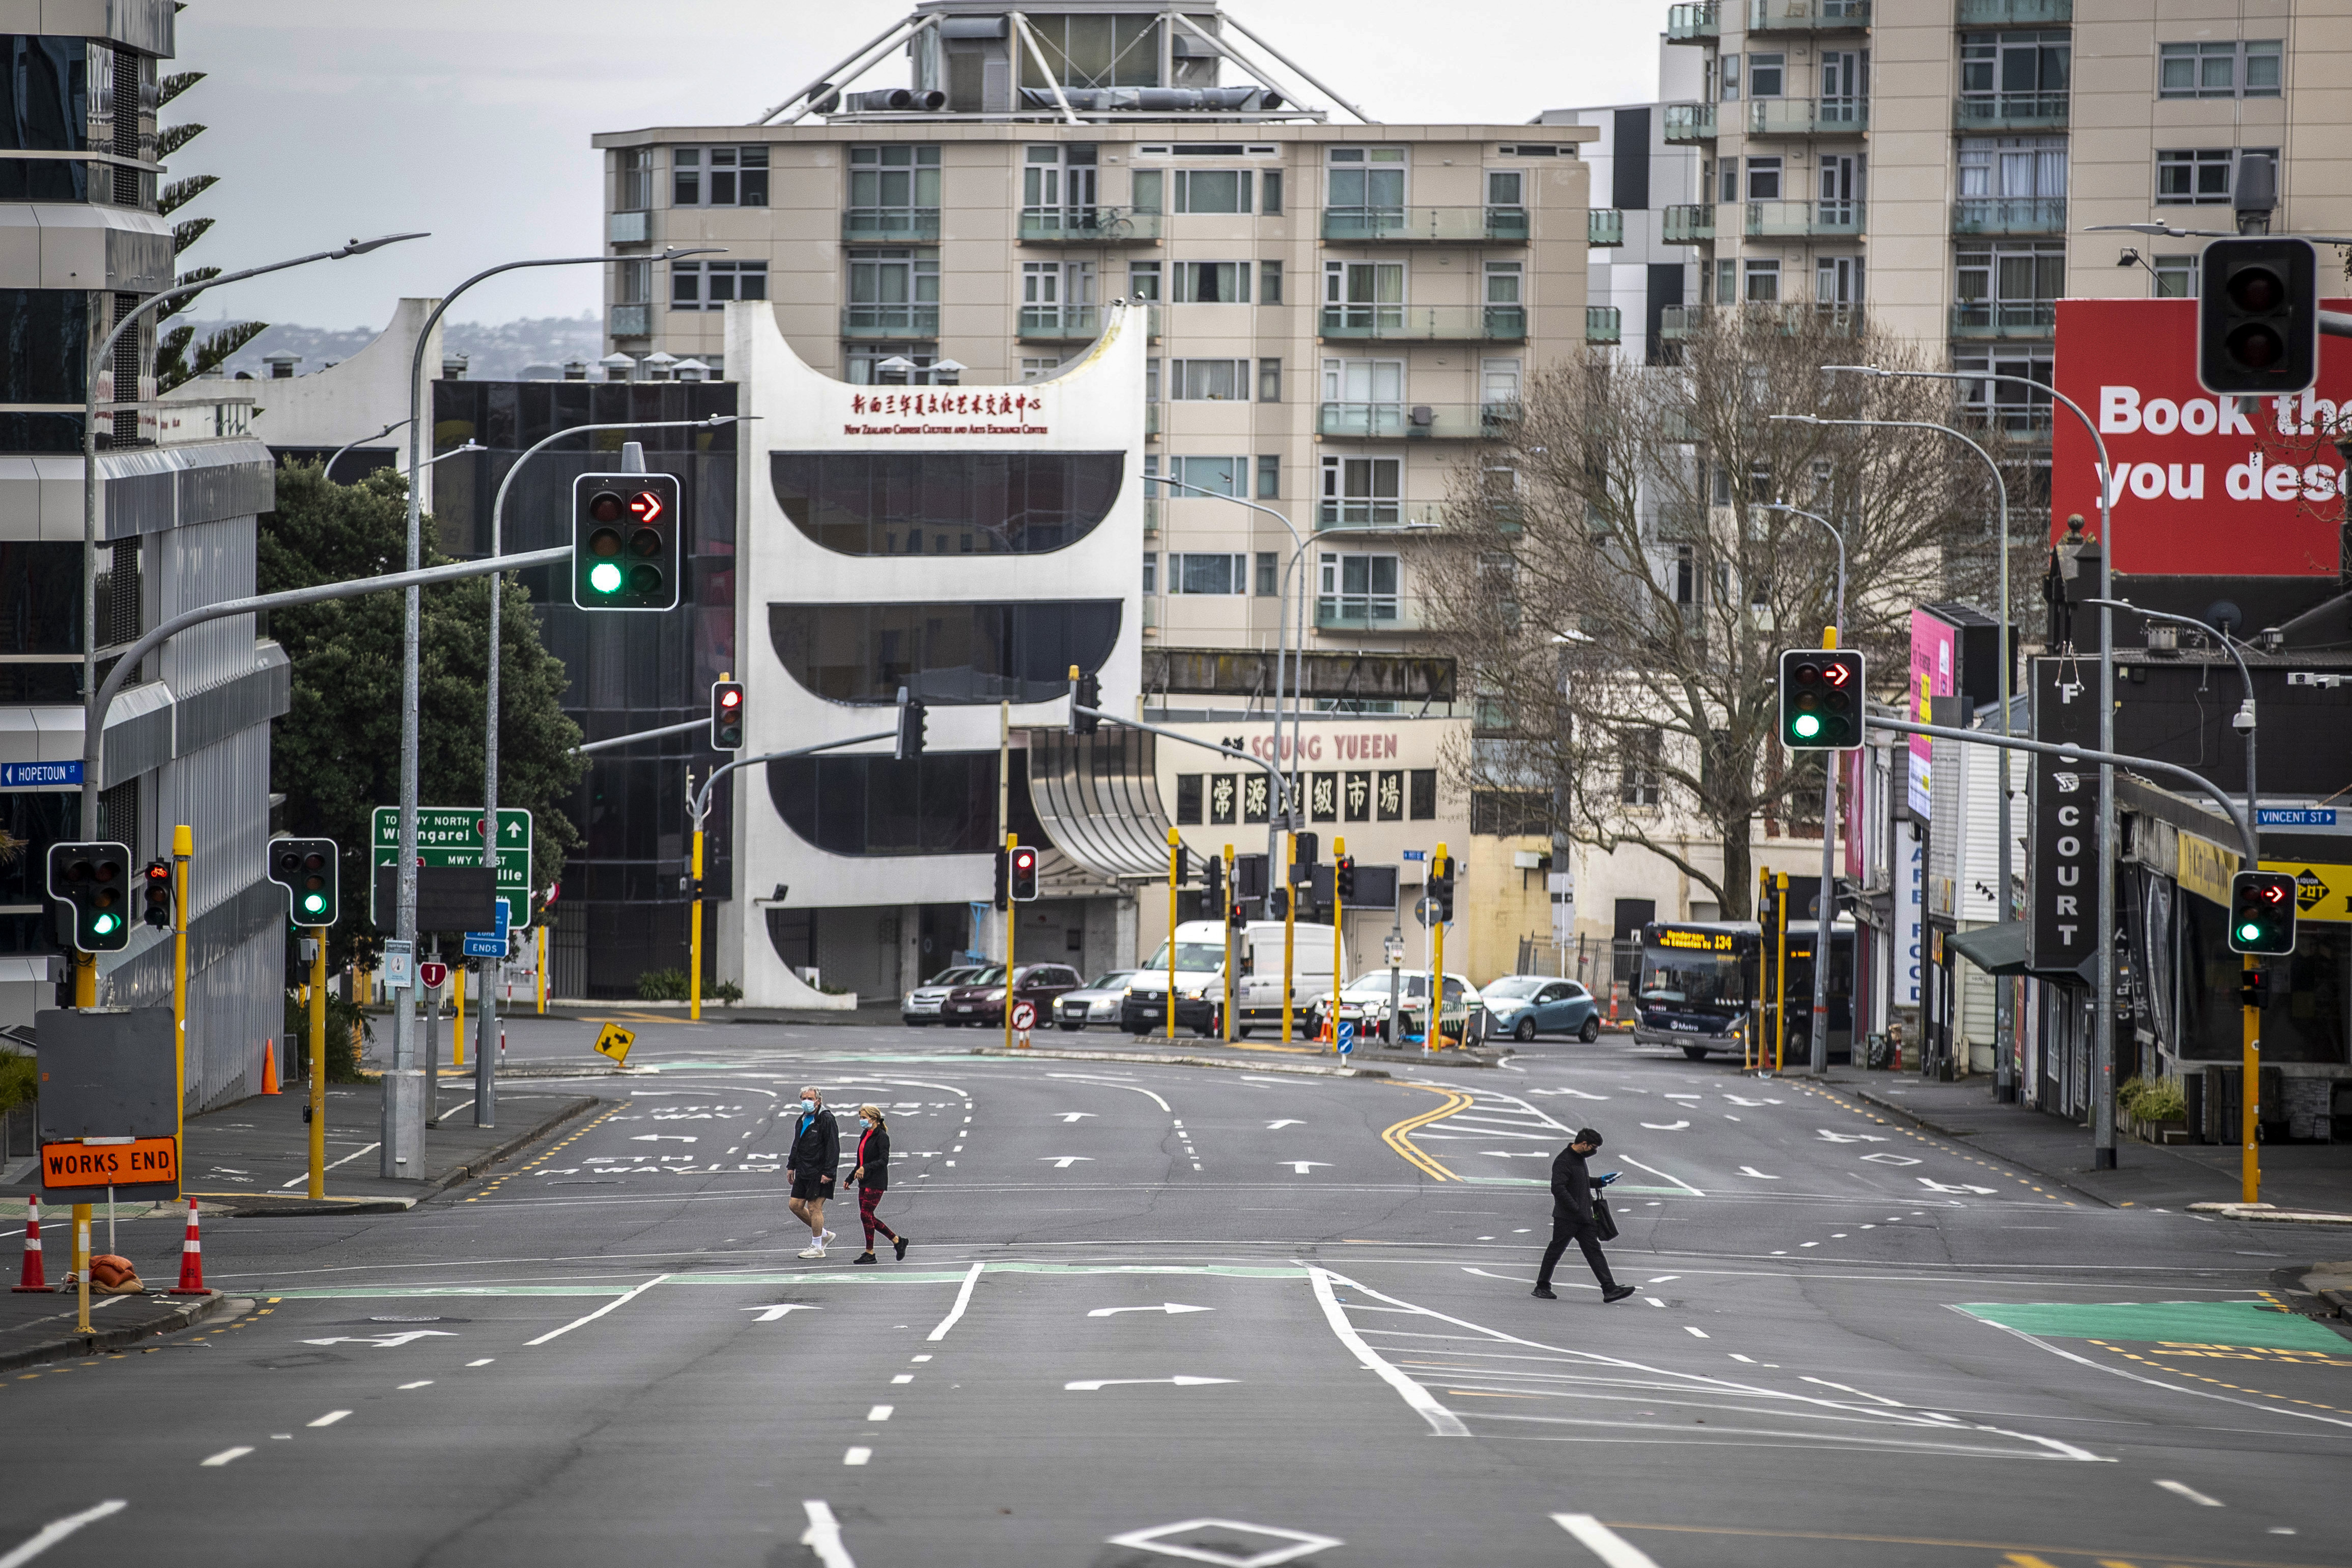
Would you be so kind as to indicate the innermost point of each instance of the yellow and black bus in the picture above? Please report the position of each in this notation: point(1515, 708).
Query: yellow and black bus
point(1708, 985)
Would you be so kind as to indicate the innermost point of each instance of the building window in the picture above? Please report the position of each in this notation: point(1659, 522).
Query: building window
point(1687, 578)
point(709, 285)
point(633, 282)
point(2009, 286)
point(1363, 185)
point(895, 289)
point(1188, 799)
point(1267, 586)
point(1269, 380)
point(1209, 381)
point(2223, 69)
point(1504, 281)
point(1212, 282)
point(633, 179)
point(1151, 573)
point(2175, 276)
point(1143, 279)
point(945, 502)
point(1212, 574)
point(1726, 282)
point(1637, 775)
point(1763, 179)
point(2200, 176)
point(2018, 409)
point(1269, 184)
point(953, 653)
point(719, 177)
point(1270, 477)
point(1145, 193)
point(866, 358)
point(2014, 167)
point(1837, 280)
point(1420, 786)
point(1057, 295)
point(1765, 74)
point(1362, 588)
point(1269, 281)
point(1763, 283)
point(894, 190)
point(2023, 70)
point(1505, 188)
point(1361, 493)
point(1213, 190)
point(1058, 181)
point(1509, 813)
point(1038, 368)
point(1731, 79)
point(1727, 183)
point(943, 802)
point(1217, 475)
point(1357, 295)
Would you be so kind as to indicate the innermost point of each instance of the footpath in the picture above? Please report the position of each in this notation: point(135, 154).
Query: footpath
point(248, 1160)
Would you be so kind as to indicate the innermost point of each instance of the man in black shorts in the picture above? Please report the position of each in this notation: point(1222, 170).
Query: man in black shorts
point(816, 1152)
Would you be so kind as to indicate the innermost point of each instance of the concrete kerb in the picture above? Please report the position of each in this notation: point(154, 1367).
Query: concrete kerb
point(251, 1205)
point(2271, 1214)
point(1296, 1069)
point(66, 1346)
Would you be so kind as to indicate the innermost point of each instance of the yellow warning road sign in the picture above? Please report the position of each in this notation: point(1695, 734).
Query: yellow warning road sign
point(615, 1042)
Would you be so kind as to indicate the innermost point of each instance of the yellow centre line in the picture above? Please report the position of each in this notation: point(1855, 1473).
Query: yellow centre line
point(1398, 1138)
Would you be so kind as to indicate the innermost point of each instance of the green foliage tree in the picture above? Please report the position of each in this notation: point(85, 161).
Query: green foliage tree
point(179, 358)
point(336, 753)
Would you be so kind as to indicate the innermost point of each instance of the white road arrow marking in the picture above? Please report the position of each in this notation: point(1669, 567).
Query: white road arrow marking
point(770, 1314)
point(1886, 1159)
point(1286, 1122)
point(1576, 1093)
point(662, 1138)
point(1934, 1185)
point(1170, 1308)
point(1829, 1136)
point(1665, 1126)
point(1303, 1166)
point(1063, 1162)
point(1517, 1153)
point(1069, 1116)
point(1091, 1386)
point(387, 1340)
point(1748, 1103)
point(1759, 1175)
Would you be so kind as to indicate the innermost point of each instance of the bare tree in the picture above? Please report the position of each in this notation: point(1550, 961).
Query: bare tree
point(1618, 596)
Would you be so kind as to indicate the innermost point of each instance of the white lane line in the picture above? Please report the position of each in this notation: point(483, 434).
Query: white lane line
point(964, 1300)
point(1664, 1176)
point(227, 1456)
point(1441, 1421)
point(2181, 1489)
point(1701, 1333)
point(904, 1377)
point(822, 1536)
point(1107, 1083)
point(330, 1164)
point(484, 1361)
point(880, 1413)
point(2152, 1383)
point(600, 1311)
point(1604, 1542)
point(56, 1529)
point(421, 1383)
point(1848, 1388)
point(328, 1419)
point(857, 1455)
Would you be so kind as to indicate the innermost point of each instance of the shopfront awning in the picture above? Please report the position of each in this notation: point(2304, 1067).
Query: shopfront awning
point(1097, 798)
point(2000, 950)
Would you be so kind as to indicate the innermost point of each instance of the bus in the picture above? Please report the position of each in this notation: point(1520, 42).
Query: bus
point(1705, 985)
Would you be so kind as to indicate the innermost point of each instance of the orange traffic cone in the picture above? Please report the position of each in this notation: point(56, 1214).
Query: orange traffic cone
point(270, 1069)
point(34, 1278)
point(192, 1260)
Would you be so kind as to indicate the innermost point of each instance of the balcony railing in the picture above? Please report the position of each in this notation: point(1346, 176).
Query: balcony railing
point(1807, 117)
point(1151, 518)
point(895, 320)
point(1059, 323)
point(1799, 220)
point(631, 320)
point(1377, 514)
point(1677, 322)
point(1807, 15)
point(1369, 612)
point(889, 225)
point(1151, 419)
point(2012, 111)
point(628, 228)
point(2016, 13)
point(1425, 226)
point(1428, 323)
point(1689, 223)
point(1413, 421)
point(1696, 23)
point(1689, 122)
point(2008, 319)
point(1604, 226)
point(1604, 324)
point(2017, 418)
point(179, 419)
point(2009, 215)
point(1089, 225)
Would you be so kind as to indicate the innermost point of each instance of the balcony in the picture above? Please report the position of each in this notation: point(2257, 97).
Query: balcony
point(633, 320)
point(1413, 422)
point(1378, 515)
point(2017, 12)
point(2009, 215)
point(890, 322)
point(889, 225)
point(2012, 111)
point(1089, 225)
point(628, 228)
point(1803, 220)
point(1807, 117)
point(1690, 223)
point(1427, 323)
point(1152, 421)
point(1677, 322)
point(1151, 518)
point(2006, 318)
point(1603, 227)
point(1689, 123)
point(1698, 24)
point(1604, 324)
point(1059, 323)
point(2030, 424)
point(1808, 16)
point(1369, 612)
point(1425, 226)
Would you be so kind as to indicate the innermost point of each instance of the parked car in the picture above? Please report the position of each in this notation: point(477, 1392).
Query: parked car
point(1364, 1002)
point(921, 1005)
point(1094, 1002)
point(981, 1000)
point(1525, 1006)
point(1201, 949)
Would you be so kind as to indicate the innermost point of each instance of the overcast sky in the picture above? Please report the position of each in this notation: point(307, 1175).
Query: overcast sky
point(471, 118)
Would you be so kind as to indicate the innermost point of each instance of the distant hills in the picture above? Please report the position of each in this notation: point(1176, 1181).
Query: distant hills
point(494, 352)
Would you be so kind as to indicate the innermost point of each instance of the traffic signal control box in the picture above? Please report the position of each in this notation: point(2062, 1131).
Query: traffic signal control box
point(1821, 699)
point(93, 881)
point(626, 548)
point(2262, 912)
point(310, 873)
point(2258, 317)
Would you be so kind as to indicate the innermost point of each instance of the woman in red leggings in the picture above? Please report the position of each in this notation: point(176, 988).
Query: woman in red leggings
point(873, 1176)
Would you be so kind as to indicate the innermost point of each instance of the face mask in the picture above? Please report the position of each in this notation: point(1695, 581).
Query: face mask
point(808, 1107)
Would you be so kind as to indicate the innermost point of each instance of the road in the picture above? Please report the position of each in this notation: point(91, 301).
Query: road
point(1165, 1314)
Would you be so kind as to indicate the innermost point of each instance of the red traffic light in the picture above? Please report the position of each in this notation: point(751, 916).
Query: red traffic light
point(646, 507)
point(731, 699)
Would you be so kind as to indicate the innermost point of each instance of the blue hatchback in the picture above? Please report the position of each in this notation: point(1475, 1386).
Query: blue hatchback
point(1525, 1006)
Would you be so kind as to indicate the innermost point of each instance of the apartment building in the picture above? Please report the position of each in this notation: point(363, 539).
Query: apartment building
point(187, 742)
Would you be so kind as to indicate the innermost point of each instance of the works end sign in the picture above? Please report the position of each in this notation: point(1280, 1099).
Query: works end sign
point(2203, 485)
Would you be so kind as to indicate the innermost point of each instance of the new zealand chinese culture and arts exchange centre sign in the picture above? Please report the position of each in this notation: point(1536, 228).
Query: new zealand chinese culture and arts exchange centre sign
point(2246, 486)
point(945, 410)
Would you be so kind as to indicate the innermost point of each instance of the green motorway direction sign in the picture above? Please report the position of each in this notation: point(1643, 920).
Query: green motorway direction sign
point(452, 836)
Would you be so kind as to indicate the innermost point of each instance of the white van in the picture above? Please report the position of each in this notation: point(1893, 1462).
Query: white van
point(1200, 947)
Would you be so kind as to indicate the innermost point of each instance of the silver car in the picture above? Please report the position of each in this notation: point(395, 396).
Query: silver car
point(1094, 1002)
point(921, 1004)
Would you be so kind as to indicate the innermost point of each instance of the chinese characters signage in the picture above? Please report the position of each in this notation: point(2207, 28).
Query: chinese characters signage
point(934, 411)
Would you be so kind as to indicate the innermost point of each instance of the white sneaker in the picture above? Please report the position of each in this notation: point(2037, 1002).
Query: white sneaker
point(826, 1242)
point(811, 1252)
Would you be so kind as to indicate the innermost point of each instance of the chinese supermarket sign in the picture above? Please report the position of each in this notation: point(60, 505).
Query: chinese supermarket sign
point(931, 411)
point(2202, 485)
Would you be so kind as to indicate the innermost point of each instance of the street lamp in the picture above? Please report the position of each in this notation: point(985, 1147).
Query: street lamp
point(2243, 721)
point(2103, 1002)
point(327, 470)
point(1825, 911)
point(2005, 1004)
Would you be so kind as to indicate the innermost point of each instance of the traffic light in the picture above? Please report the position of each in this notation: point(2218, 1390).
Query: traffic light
point(726, 715)
point(1305, 848)
point(1004, 882)
point(1182, 872)
point(2262, 912)
point(1821, 699)
point(1441, 887)
point(912, 716)
point(1277, 904)
point(1085, 691)
point(2254, 990)
point(2258, 316)
point(626, 550)
point(1023, 873)
point(308, 870)
point(155, 894)
point(1213, 876)
point(94, 882)
point(1343, 878)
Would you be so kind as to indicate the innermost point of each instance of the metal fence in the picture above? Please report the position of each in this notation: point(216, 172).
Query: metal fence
point(1608, 968)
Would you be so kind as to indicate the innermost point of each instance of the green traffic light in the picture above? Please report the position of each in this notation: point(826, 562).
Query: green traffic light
point(2249, 932)
point(1806, 725)
point(605, 577)
point(314, 903)
point(105, 925)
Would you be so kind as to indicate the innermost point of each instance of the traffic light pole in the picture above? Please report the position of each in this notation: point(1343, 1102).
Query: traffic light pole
point(317, 1186)
point(1437, 1035)
point(1339, 937)
point(1227, 915)
point(1175, 853)
point(182, 850)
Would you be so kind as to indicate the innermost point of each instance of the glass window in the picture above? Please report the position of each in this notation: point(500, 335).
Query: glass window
point(632, 281)
point(1765, 73)
point(1270, 477)
point(1727, 183)
point(1421, 792)
point(1217, 475)
point(2227, 68)
point(709, 285)
point(1143, 279)
point(1637, 781)
point(2198, 176)
point(2012, 406)
point(1727, 281)
point(952, 653)
point(1504, 187)
point(1503, 279)
point(1269, 184)
point(1209, 381)
point(633, 179)
point(2013, 166)
point(2175, 276)
point(1214, 574)
point(1357, 587)
point(1212, 282)
point(1269, 380)
point(1364, 183)
point(1269, 283)
point(1763, 282)
point(47, 335)
point(888, 185)
point(1730, 78)
point(866, 358)
point(1151, 572)
point(2032, 63)
point(1188, 799)
point(1362, 492)
point(719, 177)
point(939, 803)
point(1213, 190)
point(895, 289)
point(945, 502)
point(1763, 179)
point(1266, 576)
point(1147, 190)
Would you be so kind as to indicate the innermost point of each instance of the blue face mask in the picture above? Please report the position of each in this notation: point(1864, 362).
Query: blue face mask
point(808, 1107)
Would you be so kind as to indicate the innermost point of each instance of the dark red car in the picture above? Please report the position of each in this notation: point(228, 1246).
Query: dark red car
point(983, 1000)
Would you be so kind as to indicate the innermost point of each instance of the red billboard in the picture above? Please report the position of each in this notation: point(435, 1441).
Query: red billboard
point(2202, 486)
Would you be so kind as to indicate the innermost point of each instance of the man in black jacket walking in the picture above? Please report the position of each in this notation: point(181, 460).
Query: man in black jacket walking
point(1571, 1218)
point(814, 1159)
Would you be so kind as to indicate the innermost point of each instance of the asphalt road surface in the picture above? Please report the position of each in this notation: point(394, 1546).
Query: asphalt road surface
point(1155, 1316)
